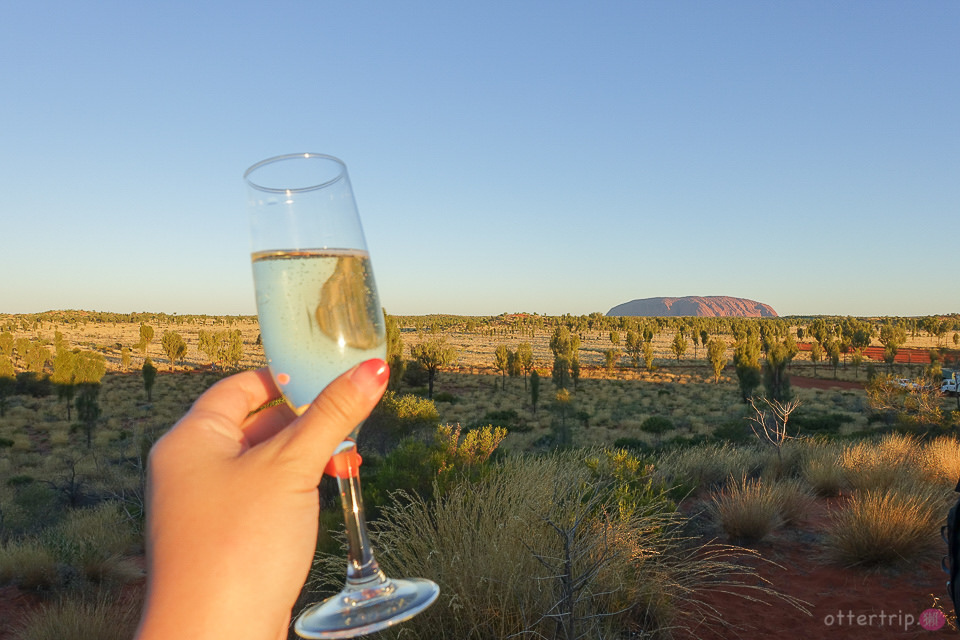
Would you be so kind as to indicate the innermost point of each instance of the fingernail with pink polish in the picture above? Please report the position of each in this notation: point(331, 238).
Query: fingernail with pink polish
point(370, 376)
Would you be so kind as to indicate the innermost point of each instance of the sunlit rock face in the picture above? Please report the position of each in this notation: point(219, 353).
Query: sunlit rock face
point(709, 306)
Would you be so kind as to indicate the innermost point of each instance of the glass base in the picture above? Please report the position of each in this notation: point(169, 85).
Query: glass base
point(354, 613)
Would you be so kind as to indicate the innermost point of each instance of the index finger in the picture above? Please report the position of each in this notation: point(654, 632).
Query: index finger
point(236, 397)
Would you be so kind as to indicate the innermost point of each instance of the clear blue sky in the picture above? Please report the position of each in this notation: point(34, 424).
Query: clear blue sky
point(551, 157)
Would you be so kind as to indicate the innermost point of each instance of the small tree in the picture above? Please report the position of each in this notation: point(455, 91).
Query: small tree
point(635, 347)
point(501, 362)
point(395, 359)
point(149, 377)
point(525, 360)
point(772, 428)
point(717, 355)
point(432, 355)
point(648, 354)
point(856, 360)
point(612, 356)
point(833, 352)
point(174, 346)
point(816, 355)
point(679, 345)
point(776, 380)
point(146, 337)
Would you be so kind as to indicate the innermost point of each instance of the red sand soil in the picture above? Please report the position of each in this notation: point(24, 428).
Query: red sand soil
point(843, 602)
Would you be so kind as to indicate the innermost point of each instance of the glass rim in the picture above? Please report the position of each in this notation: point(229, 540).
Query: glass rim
point(293, 156)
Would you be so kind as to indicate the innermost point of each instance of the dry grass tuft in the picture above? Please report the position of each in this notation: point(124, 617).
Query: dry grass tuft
point(893, 461)
point(877, 527)
point(29, 564)
point(102, 618)
point(795, 499)
point(940, 461)
point(507, 549)
point(823, 472)
point(747, 509)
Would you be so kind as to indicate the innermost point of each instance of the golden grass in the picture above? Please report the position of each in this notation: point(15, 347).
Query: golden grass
point(747, 509)
point(822, 471)
point(498, 548)
point(880, 526)
point(892, 461)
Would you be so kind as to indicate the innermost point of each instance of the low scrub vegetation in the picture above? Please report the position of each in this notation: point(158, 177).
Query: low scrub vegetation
point(563, 488)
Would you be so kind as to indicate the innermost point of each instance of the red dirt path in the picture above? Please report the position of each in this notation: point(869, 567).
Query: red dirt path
point(806, 382)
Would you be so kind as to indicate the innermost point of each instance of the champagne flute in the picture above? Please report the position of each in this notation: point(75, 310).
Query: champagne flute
point(319, 316)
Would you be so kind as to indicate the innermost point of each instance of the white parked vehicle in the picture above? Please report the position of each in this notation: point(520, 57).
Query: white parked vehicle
point(949, 387)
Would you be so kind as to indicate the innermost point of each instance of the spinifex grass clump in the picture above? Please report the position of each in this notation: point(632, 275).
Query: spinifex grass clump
point(747, 509)
point(97, 618)
point(891, 462)
point(534, 548)
point(877, 526)
point(822, 470)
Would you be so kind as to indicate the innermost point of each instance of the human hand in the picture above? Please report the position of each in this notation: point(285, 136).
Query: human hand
point(233, 505)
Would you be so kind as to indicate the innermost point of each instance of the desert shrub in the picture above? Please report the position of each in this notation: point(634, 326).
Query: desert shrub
point(445, 396)
point(96, 541)
point(29, 564)
point(747, 509)
point(532, 550)
point(405, 468)
point(35, 506)
point(704, 466)
point(890, 462)
point(819, 423)
point(416, 467)
point(940, 460)
point(628, 482)
point(878, 526)
point(786, 462)
point(823, 472)
point(794, 498)
point(395, 417)
point(101, 618)
point(506, 418)
point(735, 431)
point(633, 444)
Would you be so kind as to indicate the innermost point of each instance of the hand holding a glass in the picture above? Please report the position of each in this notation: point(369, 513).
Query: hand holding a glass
point(320, 315)
point(232, 505)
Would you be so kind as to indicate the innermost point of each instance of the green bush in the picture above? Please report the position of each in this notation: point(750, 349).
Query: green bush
point(397, 416)
point(819, 423)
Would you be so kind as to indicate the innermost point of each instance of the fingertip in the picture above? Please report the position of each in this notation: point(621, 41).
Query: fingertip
point(371, 377)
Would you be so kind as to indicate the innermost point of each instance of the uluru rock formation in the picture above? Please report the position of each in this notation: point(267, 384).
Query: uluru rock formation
point(709, 306)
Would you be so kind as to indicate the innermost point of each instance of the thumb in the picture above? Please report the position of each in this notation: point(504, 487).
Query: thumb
point(310, 440)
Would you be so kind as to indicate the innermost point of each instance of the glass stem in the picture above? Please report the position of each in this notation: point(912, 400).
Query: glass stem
point(363, 572)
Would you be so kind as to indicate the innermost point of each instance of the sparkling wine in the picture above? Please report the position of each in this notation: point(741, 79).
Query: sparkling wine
point(319, 315)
